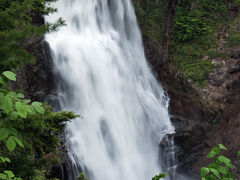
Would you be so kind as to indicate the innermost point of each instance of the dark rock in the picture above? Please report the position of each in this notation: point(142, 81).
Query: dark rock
point(53, 101)
point(235, 53)
point(39, 96)
point(219, 76)
point(153, 53)
point(65, 171)
point(235, 69)
point(37, 79)
point(38, 83)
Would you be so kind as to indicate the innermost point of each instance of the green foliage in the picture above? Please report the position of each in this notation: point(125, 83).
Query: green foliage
point(194, 37)
point(189, 27)
point(28, 130)
point(189, 60)
point(81, 177)
point(29, 125)
point(234, 39)
point(16, 18)
point(160, 176)
point(221, 168)
point(8, 175)
point(150, 16)
point(195, 18)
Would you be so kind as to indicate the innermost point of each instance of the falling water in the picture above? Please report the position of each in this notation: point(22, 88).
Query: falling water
point(105, 77)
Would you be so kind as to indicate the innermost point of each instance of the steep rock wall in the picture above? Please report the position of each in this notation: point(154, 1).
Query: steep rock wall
point(203, 116)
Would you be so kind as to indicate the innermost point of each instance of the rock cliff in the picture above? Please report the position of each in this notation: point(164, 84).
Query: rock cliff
point(204, 116)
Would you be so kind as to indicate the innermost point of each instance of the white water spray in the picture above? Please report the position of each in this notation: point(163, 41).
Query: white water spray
point(100, 58)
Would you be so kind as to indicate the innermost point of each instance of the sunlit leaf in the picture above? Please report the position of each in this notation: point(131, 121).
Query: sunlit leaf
point(3, 176)
point(9, 174)
point(12, 94)
point(21, 109)
point(31, 110)
point(6, 104)
point(211, 154)
point(26, 101)
point(215, 172)
point(204, 171)
point(13, 115)
point(223, 170)
point(10, 75)
point(222, 147)
point(38, 107)
point(19, 95)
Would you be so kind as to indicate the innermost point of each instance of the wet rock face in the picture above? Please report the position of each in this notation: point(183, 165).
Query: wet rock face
point(38, 83)
point(219, 76)
point(37, 79)
point(203, 117)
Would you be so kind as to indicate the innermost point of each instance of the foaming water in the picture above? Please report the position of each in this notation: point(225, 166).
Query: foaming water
point(105, 77)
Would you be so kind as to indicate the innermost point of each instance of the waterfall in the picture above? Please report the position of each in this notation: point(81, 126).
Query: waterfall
point(104, 76)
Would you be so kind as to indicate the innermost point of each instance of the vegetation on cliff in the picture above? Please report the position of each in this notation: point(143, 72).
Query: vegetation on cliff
point(200, 73)
point(195, 36)
point(194, 32)
point(29, 131)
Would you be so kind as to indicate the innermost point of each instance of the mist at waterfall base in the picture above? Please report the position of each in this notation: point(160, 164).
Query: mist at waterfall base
point(105, 78)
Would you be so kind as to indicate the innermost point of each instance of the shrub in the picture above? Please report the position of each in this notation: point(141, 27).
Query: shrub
point(221, 168)
point(29, 125)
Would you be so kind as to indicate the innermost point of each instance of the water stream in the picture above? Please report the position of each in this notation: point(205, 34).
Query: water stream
point(105, 78)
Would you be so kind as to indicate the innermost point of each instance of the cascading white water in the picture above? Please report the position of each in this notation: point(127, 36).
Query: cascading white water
point(100, 58)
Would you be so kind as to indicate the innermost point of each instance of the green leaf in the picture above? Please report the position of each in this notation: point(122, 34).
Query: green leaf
point(224, 159)
point(10, 75)
point(3, 176)
point(26, 101)
point(211, 154)
point(31, 110)
point(238, 153)
point(35, 103)
point(11, 144)
point(13, 131)
point(204, 171)
point(223, 170)
point(157, 177)
point(212, 165)
point(8, 160)
point(9, 174)
point(19, 95)
point(216, 150)
point(222, 147)
point(38, 107)
point(3, 133)
point(21, 109)
point(13, 115)
point(12, 94)
point(3, 81)
point(19, 142)
point(6, 104)
point(215, 172)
